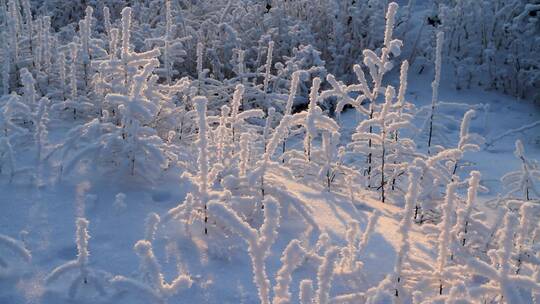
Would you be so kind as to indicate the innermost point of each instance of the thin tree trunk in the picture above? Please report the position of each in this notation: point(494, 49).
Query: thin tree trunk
point(382, 167)
point(431, 127)
point(369, 145)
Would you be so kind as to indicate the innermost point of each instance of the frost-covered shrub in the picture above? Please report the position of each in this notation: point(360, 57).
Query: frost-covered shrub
point(385, 149)
point(356, 244)
point(325, 274)
point(130, 150)
point(436, 174)
point(202, 160)
point(259, 242)
point(440, 167)
point(526, 238)
point(522, 184)
point(324, 162)
point(378, 66)
point(85, 275)
point(280, 133)
point(333, 158)
point(124, 137)
point(435, 84)
point(292, 257)
point(445, 239)
point(468, 229)
point(153, 284)
point(313, 121)
point(414, 175)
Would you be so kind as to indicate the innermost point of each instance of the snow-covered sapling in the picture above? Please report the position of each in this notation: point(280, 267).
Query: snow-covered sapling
point(414, 173)
point(523, 182)
point(244, 154)
point(153, 284)
point(202, 161)
point(40, 120)
point(222, 137)
point(436, 174)
point(279, 135)
point(332, 159)
point(349, 253)
point(293, 88)
point(468, 141)
point(435, 84)
point(325, 275)
point(292, 257)
point(13, 26)
point(107, 20)
point(464, 220)
point(29, 91)
point(7, 158)
point(382, 145)
point(238, 118)
point(524, 242)
point(73, 71)
point(311, 130)
point(356, 243)
point(445, 237)
point(47, 53)
point(116, 74)
point(85, 33)
point(313, 120)
point(378, 66)
point(268, 125)
point(61, 62)
point(259, 242)
point(137, 148)
point(268, 66)
point(200, 73)
point(86, 276)
point(182, 212)
point(236, 103)
point(368, 232)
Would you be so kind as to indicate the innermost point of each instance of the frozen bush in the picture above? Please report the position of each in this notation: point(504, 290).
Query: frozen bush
point(259, 242)
point(86, 276)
